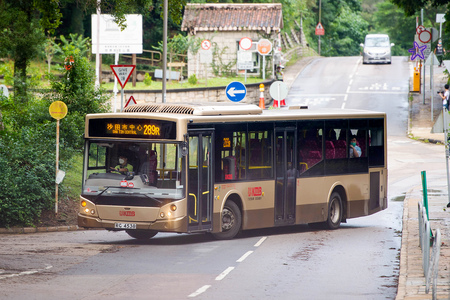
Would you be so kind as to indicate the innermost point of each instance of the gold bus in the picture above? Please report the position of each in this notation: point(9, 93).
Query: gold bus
point(226, 167)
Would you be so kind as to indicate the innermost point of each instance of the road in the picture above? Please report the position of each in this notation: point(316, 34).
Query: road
point(358, 261)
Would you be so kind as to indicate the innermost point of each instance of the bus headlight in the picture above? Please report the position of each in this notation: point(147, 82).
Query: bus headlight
point(83, 203)
point(162, 215)
point(173, 207)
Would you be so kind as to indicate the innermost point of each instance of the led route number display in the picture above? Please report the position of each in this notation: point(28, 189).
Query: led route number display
point(132, 128)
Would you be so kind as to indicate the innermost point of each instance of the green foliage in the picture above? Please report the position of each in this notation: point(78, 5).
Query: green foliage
point(7, 69)
point(27, 157)
point(147, 79)
point(193, 79)
point(346, 29)
point(391, 19)
point(77, 89)
point(219, 67)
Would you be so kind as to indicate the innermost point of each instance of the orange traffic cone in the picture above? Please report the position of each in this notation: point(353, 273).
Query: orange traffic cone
point(261, 101)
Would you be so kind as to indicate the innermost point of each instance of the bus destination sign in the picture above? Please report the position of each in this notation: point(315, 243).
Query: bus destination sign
point(132, 128)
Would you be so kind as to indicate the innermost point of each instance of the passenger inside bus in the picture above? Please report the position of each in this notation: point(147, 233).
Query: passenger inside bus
point(148, 168)
point(123, 167)
point(355, 150)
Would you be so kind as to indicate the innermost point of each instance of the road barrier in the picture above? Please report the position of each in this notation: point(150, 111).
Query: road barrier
point(430, 264)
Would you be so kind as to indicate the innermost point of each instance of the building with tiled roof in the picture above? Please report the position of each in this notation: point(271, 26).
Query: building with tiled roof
point(225, 24)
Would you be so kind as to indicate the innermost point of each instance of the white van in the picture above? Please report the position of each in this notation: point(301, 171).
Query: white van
point(377, 48)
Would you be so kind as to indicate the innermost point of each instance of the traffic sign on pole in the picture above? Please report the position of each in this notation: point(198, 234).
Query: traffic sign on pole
point(264, 46)
point(236, 91)
point(130, 101)
point(206, 44)
point(122, 73)
point(245, 43)
point(319, 29)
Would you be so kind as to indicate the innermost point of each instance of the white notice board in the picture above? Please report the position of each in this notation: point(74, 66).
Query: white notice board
point(113, 40)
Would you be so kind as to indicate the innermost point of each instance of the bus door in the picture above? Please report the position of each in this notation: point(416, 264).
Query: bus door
point(200, 185)
point(285, 172)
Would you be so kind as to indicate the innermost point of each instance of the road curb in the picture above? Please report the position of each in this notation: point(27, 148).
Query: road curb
point(401, 289)
point(25, 230)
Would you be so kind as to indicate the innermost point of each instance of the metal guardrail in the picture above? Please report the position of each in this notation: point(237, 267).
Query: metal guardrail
point(430, 264)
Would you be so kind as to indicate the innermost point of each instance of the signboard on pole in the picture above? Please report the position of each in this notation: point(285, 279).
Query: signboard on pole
point(113, 39)
point(245, 43)
point(264, 47)
point(236, 91)
point(319, 29)
point(206, 44)
point(122, 73)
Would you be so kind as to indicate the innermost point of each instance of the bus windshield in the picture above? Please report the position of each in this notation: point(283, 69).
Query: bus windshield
point(147, 169)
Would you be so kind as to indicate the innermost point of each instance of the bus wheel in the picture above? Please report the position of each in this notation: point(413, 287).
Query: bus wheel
point(231, 221)
point(334, 211)
point(141, 234)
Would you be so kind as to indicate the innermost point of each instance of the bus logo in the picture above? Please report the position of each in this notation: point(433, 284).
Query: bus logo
point(254, 191)
point(123, 213)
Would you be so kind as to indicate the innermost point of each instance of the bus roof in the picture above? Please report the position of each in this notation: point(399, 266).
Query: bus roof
point(233, 112)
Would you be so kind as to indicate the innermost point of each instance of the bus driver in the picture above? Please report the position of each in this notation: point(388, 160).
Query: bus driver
point(123, 166)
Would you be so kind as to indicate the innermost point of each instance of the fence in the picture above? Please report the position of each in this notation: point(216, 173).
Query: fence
point(430, 264)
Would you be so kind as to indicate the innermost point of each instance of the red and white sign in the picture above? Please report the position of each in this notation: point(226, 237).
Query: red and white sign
point(264, 47)
point(131, 101)
point(206, 44)
point(424, 34)
point(123, 73)
point(254, 191)
point(319, 29)
point(245, 43)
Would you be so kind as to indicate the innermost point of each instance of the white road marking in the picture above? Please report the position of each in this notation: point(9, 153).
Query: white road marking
point(243, 257)
point(199, 291)
point(224, 273)
point(260, 241)
point(31, 272)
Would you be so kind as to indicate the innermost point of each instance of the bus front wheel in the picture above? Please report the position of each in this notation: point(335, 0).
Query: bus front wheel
point(231, 221)
point(141, 234)
point(334, 211)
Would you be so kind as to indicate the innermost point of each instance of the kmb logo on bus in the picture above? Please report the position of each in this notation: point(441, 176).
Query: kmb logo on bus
point(254, 191)
point(123, 213)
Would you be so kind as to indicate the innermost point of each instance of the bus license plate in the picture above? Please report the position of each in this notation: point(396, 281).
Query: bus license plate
point(124, 226)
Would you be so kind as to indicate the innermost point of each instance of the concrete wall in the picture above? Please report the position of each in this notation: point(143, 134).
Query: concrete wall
point(208, 94)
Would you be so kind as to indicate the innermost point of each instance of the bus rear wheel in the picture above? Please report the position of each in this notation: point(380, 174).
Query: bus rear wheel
point(231, 221)
point(141, 234)
point(334, 211)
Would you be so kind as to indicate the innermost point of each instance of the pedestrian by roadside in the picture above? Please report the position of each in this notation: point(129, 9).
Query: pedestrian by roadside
point(440, 52)
point(445, 97)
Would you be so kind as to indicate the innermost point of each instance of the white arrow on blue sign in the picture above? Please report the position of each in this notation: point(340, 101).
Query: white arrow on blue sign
point(236, 91)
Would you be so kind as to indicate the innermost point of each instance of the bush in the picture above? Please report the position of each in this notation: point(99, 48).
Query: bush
point(192, 79)
point(28, 164)
point(147, 79)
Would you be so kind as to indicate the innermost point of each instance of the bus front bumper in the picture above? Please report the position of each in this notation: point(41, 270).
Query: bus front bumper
point(170, 225)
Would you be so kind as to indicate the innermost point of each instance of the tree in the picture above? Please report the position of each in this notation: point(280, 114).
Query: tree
point(391, 19)
point(24, 24)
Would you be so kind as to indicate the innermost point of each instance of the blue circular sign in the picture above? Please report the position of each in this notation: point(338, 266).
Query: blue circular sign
point(236, 91)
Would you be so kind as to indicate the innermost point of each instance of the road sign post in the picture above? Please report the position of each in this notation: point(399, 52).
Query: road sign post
point(236, 91)
point(122, 73)
point(57, 110)
point(264, 48)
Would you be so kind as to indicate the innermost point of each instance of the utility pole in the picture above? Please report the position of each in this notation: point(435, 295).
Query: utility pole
point(320, 20)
